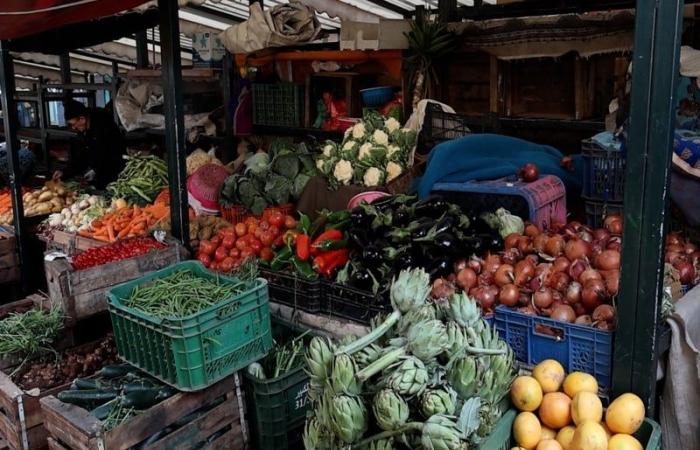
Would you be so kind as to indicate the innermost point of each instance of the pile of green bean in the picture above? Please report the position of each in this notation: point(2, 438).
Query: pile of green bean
point(29, 334)
point(181, 294)
point(141, 180)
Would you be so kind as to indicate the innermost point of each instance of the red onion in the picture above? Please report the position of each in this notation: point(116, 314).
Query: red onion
point(529, 310)
point(556, 227)
point(686, 271)
point(542, 298)
point(459, 265)
point(511, 256)
point(614, 243)
point(584, 320)
point(573, 293)
point(604, 312)
point(608, 260)
point(504, 275)
point(486, 298)
point(442, 289)
point(589, 274)
point(561, 264)
point(485, 278)
point(492, 263)
point(475, 265)
point(676, 248)
point(539, 242)
point(695, 257)
point(601, 235)
point(602, 325)
point(611, 278)
point(672, 257)
point(534, 259)
point(511, 241)
point(554, 246)
point(531, 230)
point(559, 281)
point(563, 313)
point(579, 309)
point(466, 279)
point(674, 239)
point(524, 271)
point(593, 294)
point(585, 236)
point(613, 223)
point(509, 295)
point(535, 283)
point(690, 248)
point(576, 268)
point(524, 299)
point(577, 249)
point(529, 173)
point(525, 245)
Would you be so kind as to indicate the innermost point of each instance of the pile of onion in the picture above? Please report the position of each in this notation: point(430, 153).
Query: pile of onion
point(684, 256)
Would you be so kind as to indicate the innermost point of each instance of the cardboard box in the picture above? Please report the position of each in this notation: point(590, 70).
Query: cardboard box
point(383, 35)
point(207, 50)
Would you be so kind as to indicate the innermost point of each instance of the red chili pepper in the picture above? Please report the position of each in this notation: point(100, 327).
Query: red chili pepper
point(303, 247)
point(338, 258)
point(330, 235)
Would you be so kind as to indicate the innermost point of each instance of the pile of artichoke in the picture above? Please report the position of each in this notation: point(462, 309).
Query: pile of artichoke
point(429, 376)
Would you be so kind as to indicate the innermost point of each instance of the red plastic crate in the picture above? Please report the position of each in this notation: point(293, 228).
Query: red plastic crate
point(541, 202)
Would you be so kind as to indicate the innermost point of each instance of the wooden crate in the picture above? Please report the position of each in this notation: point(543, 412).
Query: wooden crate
point(21, 417)
point(9, 260)
point(73, 428)
point(82, 293)
point(71, 243)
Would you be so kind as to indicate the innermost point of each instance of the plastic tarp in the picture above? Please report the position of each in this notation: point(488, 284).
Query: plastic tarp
point(20, 18)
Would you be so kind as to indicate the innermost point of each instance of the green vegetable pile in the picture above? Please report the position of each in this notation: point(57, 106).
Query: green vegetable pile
point(270, 179)
point(282, 359)
point(431, 375)
point(116, 394)
point(182, 294)
point(30, 334)
point(141, 180)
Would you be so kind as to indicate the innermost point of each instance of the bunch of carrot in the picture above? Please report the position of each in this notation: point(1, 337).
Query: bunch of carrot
point(126, 222)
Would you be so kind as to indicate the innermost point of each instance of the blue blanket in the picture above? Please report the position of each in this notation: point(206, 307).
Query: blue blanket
point(492, 156)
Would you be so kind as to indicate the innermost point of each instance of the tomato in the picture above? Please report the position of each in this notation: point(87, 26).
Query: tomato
point(247, 253)
point(214, 265)
point(228, 242)
point(234, 253)
point(276, 219)
point(279, 241)
point(266, 254)
point(204, 259)
point(241, 229)
point(216, 240)
point(227, 264)
point(256, 246)
point(264, 225)
point(275, 231)
point(226, 232)
point(267, 238)
point(252, 227)
point(207, 247)
point(258, 232)
point(241, 244)
point(220, 254)
point(251, 221)
point(289, 222)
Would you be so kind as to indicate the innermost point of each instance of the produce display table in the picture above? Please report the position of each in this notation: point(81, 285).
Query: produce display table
point(82, 293)
point(322, 323)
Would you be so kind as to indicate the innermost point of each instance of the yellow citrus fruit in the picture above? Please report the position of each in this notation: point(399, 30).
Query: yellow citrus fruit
point(555, 410)
point(586, 406)
point(548, 433)
point(549, 444)
point(625, 414)
point(624, 442)
point(576, 382)
point(589, 436)
point(527, 430)
point(526, 393)
point(550, 374)
point(565, 436)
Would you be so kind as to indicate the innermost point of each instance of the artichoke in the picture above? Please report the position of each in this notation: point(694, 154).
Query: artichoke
point(423, 313)
point(427, 339)
point(410, 377)
point(410, 290)
point(368, 355)
point(319, 359)
point(463, 377)
point(390, 410)
point(312, 434)
point(438, 401)
point(441, 433)
point(343, 380)
point(464, 310)
point(456, 337)
point(382, 444)
point(348, 418)
point(257, 371)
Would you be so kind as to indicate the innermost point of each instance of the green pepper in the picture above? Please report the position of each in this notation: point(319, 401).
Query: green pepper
point(330, 244)
point(304, 268)
point(304, 224)
point(339, 225)
point(281, 259)
point(339, 216)
point(318, 225)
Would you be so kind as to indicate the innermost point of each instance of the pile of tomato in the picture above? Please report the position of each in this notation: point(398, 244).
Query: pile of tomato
point(117, 251)
point(254, 237)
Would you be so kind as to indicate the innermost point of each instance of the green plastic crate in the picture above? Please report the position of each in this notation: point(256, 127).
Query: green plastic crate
point(649, 434)
point(277, 407)
point(193, 352)
point(280, 104)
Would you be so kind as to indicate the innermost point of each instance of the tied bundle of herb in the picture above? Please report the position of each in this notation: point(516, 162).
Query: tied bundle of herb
point(30, 334)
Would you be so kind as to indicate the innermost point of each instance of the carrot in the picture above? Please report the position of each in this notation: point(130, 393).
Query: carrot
point(110, 232)
point(123, 233)
point(101, 238)
point(84, 233)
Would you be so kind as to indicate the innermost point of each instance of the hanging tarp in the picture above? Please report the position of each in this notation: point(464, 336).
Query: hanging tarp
point(21, 18)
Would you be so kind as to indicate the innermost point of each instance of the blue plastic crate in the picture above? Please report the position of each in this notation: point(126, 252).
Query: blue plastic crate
point(377, 96)
point(576, 347)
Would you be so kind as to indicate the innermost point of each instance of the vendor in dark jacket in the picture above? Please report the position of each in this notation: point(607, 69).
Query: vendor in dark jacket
point(103, 144)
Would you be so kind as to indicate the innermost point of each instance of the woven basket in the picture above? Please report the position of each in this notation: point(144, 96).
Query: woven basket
point(286, 209)
point(233, 214)
point(205, 185)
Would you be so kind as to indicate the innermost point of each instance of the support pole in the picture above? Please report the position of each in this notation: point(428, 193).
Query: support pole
point(66, 77)
point(227, 76)
point(447, 10)
point(655, 72)
point(174, 118)
point(141, 50)
point(11, 125)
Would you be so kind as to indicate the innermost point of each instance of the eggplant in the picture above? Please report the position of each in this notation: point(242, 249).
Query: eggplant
point(359, 237)
point(372, 256)
point(444, 242)
point(440, 267)
point(406, 261)
point(361, 279)
point(434, 207)
point(402, 217)
point(360, 218)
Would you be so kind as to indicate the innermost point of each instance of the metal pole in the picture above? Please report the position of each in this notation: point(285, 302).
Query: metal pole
point(174, 118)
point(11, 124)
point(226, 79)
point(447, 10)
point(66, 77)
point(141, 50)
point(655, 71)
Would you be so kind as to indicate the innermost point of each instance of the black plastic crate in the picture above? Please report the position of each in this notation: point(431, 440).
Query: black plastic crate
point(603, 172)
point(289, 289)
point(353, 304)
point(280, 104)
point(440, 126)
point(597, 211)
